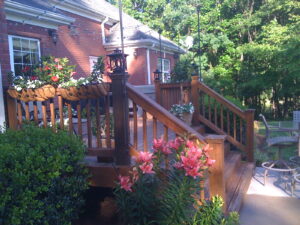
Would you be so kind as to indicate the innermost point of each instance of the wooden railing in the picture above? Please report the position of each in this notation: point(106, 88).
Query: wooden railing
point(89, 119)
point(168, 94)
point(152, 115)
point(212, 110)
point(223, 117)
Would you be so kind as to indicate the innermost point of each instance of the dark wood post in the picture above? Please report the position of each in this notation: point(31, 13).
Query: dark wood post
point(11, 112)
point(195, 99)
point(216, 177)
point(250, 134)
point(120, 111)
point(157, 91)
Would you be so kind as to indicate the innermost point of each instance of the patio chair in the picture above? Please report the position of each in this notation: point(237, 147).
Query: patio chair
point(281, 142)
point(277, 140)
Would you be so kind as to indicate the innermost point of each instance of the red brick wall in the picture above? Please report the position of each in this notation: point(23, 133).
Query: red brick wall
point(77, 45)
point(4, 52)
point(137, 66)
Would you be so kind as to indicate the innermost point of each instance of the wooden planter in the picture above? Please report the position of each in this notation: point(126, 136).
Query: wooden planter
point(187, 118)
point(33, 94)
point(84, 92)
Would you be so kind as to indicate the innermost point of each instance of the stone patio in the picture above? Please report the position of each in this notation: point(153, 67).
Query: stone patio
point(270, 204)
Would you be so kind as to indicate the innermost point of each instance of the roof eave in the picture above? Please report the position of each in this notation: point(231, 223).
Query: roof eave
point(146, 43)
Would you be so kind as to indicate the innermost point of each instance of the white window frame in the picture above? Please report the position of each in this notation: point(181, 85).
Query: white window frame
point(165, 73)
point(11, 49)
point(2, 109)
point(92, 60)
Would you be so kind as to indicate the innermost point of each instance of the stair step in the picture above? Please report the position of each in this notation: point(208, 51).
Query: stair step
point(231, 173)
point(235, 197)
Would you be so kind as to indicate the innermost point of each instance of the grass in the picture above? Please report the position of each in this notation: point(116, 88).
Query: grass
point(271, 153)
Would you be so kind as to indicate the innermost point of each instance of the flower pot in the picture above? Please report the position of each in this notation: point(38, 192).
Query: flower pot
point(84, 92)
point(70, 93)
point(187, 117)
point(33, 94)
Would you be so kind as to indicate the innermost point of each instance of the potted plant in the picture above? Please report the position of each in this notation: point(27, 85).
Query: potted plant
point(183, 112)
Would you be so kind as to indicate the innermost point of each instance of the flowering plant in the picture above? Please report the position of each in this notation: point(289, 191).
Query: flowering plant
point(179, 110)
point(162, 186)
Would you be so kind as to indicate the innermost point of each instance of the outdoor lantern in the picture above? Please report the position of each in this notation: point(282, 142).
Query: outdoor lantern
point(157, 74)
point(117, 61)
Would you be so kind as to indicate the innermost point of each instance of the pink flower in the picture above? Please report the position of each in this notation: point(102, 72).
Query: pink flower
point(178, 165)
point(73, 73)
point(166, 150)
point(59, 67)
point(135, 174)
point(158, 144)
point(210, 161)
point(176, 143)
point(147, 168)
point(125, 183)
point(144, 157)
point(56, 60)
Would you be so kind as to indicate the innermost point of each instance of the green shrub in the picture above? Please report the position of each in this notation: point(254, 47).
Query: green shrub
point(41, 178)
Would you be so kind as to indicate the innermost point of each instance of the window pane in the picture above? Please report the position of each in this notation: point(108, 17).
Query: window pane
point(159, 64)
point(167, 65)
point(34, 58)
point(16, 44)
point(17, 57)
point(34, 46)
point(25, 45)
point(18, 69)
point(26, 58)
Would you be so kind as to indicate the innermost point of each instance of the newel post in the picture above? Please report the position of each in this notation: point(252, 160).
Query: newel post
point(119, 78)
point(195, 98)
point(216, 176)
point(157, 91)
point(250, 134)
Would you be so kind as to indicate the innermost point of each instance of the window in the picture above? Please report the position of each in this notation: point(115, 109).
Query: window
point(23, 52)
point(166, 68)
point(93, 61)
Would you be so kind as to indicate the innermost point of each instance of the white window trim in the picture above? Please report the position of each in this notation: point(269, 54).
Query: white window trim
point(11, 50)
point(162, 67)
point(2, 111)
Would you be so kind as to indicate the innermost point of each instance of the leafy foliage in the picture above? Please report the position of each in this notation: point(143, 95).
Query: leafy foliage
point(41, 178)
point(250, 49)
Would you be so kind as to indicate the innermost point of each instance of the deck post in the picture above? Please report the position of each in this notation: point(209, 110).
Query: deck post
point(121, 123)
point(195, 99)
point(11, 111)
point(216, 176)
point(250, 134)
point(157, 91)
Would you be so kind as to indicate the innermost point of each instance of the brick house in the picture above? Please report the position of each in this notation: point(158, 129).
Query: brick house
point(80, 30)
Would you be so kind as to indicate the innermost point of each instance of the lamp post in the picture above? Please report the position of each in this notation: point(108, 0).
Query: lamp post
point(157, 74)
point(199, 41)
point(160, 52)
point(119, 76)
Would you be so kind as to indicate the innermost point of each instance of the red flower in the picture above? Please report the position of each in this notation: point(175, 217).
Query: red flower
point(46, 68)
point(25, 69)
point(158, 144)
point(54, 78)
point(33, 77)
point(73, 73)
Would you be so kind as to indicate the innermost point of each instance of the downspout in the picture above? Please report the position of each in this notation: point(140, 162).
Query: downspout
point(103, 30)
point(148, 66)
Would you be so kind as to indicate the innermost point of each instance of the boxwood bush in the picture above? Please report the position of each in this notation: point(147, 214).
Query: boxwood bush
point(41, 178)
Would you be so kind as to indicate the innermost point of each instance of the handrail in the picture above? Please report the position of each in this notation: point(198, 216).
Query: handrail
point(221, 100)
point(161, 114)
